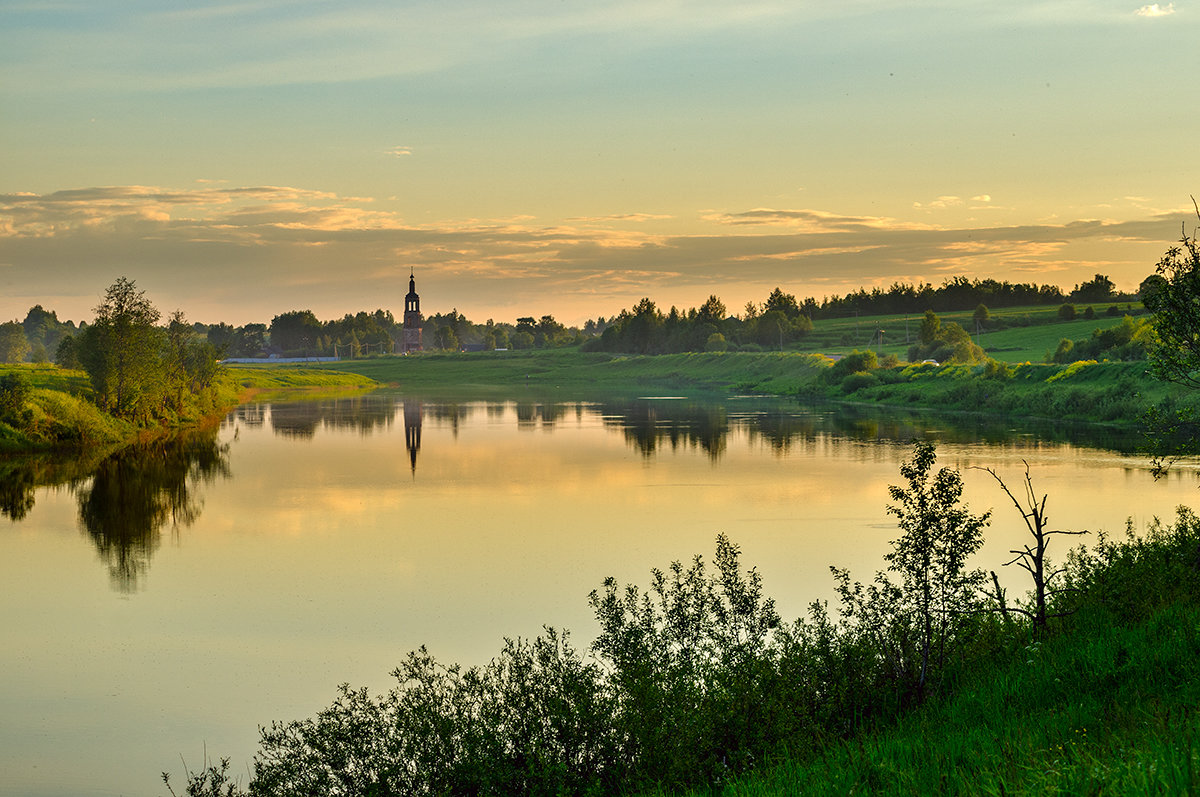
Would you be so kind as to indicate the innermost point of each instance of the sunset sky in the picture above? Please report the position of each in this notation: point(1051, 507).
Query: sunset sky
point(246, 158)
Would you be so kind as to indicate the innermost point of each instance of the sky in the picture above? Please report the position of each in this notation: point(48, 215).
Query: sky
point(246, 158)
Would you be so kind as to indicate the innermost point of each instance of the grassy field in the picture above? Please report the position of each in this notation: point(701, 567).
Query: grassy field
point(569, 373)
point(1029, 333)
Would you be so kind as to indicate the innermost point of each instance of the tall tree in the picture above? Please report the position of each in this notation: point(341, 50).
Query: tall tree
point(14, 346)
point(122, 352)
point(1174, 299)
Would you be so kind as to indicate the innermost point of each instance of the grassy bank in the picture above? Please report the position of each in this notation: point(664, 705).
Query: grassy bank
point(1111, 393)
point(1104, 704)
point(57, 414)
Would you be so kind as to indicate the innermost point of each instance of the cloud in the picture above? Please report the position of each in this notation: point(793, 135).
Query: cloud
point(807, 219)
point(635, 217)
point(247, 254)
point(1155, 10)
point(400, 151)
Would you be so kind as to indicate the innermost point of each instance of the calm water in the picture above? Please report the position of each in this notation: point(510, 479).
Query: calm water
point(168, 601)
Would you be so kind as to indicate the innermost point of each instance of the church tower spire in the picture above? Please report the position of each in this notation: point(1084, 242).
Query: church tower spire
point(412, 316)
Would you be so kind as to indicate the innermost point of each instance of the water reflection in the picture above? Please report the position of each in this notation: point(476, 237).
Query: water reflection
point(412, 431)
point(134, 494)
point(126, 500)
point(653, 425)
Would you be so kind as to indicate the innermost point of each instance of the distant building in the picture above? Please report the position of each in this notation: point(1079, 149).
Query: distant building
point(412, 317)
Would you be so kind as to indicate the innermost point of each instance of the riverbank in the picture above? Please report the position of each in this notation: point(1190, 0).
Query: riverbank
point(57, 416)
point(1103, 703)
point(1112, 393)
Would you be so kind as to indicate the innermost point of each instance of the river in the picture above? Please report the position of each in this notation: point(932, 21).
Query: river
point(161, 604)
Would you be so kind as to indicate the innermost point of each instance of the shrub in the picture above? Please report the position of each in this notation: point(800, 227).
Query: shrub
point(995, 369)
point(855, 362)
point(14, 392)
point(859, 380)
point(716, 342)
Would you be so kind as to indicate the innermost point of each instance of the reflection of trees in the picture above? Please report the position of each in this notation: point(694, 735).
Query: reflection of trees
point(546, 414)
point(251, 415)
point(135, 492)
point(451, 414)
point(649, 424)
point(17, 482)
point(364, 414)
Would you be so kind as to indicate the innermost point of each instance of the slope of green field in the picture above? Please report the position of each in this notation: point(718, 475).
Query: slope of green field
point(1014, 335)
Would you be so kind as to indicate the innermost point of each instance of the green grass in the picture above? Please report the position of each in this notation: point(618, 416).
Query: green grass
point(1029, 333)
point(1112, 393)
point(285, 376)
point(569, 373)
point(1106, 704)
point(50, 377)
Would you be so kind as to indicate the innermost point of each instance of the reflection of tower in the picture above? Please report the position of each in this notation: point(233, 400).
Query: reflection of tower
point(412, 317)
point(412, 431)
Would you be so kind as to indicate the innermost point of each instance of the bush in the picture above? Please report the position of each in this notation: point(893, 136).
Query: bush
point(716, 342)
point(995, 369)
point(855, 362)
point(14, 392)
point(1066, 312)
point(857, 381)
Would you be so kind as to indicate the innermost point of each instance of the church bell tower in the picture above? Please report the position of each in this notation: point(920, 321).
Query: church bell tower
point(412, 317)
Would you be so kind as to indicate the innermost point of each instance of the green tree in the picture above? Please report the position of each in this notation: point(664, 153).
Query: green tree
point(296, 332)
point(67, 353)
point(716, 342)
point(939, 535)
point(931, 325)
point(122, 352)
point(1174, 299)
point(711, 312)
point(783, 302)
point(14, 346)
point(1098, 289)
point(918, 621)
point(14, 392)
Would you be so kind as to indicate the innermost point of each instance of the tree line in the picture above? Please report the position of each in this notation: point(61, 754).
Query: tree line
point(779, 320)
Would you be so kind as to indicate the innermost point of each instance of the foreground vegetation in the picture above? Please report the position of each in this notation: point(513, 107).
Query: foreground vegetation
point(922, 681)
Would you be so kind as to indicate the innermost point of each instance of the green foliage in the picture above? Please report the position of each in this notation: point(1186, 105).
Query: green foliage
point(944, 343)
point(121, 352)
point(530, 722)
point(139, 370)
point(1098, 289)
point(858, 380)
point(1067, 312)
point(995, 369)
point(67, 353)
point(853, 363)
point(14, 392)
point(918, 622)
point(716, 342)
point(14, 347)
point(212, 781)
point(644, 329)
point(297, 333)
point(1127, 340)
